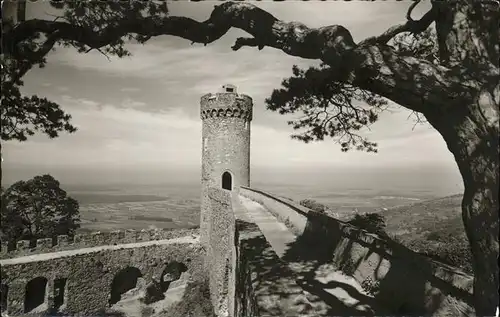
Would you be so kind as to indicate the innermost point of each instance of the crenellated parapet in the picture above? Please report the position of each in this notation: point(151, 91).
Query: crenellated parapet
point(225, 105)
point(79, 241)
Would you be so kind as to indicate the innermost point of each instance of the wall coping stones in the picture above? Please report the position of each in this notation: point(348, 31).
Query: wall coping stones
point(377, 242)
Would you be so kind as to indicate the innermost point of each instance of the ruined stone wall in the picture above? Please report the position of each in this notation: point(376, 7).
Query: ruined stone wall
point(89, 275)
point(225, 145)
point(401, 280)
point(220, 250)
point(93, 239)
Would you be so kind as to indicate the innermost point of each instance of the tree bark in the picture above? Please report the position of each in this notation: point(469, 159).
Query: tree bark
point(472, 135)
point(467, 33)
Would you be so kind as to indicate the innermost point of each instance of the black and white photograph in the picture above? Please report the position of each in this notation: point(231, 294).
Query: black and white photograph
point(249, 158)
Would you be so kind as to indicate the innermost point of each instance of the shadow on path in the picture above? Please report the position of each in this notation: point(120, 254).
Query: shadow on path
point(406, 283)
point(340, 297)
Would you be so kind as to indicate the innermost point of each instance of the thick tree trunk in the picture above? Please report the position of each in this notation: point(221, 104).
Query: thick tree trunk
point(472, 137)
point(480, 217)
point(467, 34)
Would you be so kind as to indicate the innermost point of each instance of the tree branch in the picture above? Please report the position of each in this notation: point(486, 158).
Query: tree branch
point(413, 26)
point(326, 43)
point(33, 57)
point(372, 66)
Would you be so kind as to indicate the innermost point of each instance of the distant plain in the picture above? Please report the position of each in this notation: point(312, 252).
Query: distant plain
point(177, 204)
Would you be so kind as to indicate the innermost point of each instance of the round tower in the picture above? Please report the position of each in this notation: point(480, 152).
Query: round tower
point(226, 117)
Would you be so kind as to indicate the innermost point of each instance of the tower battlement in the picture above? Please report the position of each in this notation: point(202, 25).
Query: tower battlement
point(226, 104)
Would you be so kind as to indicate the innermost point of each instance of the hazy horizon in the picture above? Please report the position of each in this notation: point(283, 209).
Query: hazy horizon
point(441, 180)
point(113, 200)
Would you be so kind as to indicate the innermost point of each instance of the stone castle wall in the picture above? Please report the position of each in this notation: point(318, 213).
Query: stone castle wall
point(88, 276)
point(225, 145)
point(247, 278)
point(220, 250)
point(63, 242)
point(377, 263)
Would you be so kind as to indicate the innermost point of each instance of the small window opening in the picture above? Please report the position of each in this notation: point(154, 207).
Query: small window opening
point(59, 290)
point(229, 89)
point(34, 294)
point(227, 181)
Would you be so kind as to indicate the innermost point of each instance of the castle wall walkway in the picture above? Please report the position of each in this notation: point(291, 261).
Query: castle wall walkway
point(284, 243)
point(394, 279)
point(264, 284)
point(278, 235)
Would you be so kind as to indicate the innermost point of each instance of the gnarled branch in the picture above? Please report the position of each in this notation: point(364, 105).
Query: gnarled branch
point(326, 43)
point(413, 26)
point(374, 66)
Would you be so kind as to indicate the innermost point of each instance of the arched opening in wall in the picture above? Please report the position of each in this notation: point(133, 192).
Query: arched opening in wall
point(59, 293)
point(227, 181)
point(124, 280)
point(171, 273)
point(4, 293)
point(35, 294)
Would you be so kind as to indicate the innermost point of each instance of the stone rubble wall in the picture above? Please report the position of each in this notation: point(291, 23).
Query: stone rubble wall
point(219, 256)
point(89, 275)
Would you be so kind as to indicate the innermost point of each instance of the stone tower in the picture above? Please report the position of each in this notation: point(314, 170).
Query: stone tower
point(226, 117)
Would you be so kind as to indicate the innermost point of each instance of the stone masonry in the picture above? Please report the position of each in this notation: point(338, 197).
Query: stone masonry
point(225, 146)
point(82, 281)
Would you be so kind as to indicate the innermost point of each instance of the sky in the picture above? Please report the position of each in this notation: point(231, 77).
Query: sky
point(139, 116)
